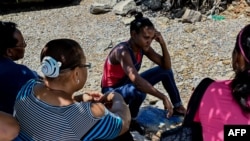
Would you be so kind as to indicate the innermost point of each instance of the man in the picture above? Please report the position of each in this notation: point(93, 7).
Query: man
point(13, 75)
point(123, 63)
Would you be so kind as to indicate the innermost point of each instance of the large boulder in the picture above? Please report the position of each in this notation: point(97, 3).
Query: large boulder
point(124, 7)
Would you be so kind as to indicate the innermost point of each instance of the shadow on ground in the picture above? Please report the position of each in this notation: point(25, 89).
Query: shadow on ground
point(13, 7)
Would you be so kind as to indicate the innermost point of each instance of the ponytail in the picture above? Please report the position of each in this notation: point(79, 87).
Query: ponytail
point(138, 16)
point(140, 22)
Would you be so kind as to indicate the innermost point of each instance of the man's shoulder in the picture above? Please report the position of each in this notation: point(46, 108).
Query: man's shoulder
point(122, 45)
point(8, 66)
point(12, 69)
point(19, 68)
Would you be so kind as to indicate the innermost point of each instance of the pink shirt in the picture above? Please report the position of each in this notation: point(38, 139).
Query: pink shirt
point(218, 108)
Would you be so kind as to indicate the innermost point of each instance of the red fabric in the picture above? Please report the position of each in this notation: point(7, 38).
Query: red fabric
point(112, 74)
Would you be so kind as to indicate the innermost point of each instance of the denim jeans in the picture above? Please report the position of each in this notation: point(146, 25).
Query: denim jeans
point(134, 98)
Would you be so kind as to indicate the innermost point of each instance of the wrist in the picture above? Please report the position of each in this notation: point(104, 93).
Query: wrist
point(162, 44)
point(163, 97)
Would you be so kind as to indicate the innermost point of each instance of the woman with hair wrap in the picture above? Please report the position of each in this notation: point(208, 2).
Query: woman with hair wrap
point(228, 101)
point(48, 110)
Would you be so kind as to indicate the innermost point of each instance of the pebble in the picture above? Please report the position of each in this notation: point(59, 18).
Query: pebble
point(197, 50)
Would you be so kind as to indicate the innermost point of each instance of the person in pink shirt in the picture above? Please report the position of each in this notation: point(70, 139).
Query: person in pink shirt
point(226, 102)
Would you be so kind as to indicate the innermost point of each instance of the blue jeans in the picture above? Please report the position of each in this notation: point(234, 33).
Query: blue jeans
point(134, 98)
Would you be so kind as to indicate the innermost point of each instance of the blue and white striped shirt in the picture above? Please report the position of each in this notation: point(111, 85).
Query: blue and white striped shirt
point(40, 121)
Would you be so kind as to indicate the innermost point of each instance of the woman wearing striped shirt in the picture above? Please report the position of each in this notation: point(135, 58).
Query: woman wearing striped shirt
point(48, 110)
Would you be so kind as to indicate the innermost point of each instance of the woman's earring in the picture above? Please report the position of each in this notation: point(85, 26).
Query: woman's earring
point(78, 81)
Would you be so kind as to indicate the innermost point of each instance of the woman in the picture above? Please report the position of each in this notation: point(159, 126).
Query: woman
point(13, 75)
point(121, 70)
point(49, 110)
point(227, 102)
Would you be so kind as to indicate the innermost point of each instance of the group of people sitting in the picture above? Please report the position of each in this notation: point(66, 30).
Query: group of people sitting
point(34, 107)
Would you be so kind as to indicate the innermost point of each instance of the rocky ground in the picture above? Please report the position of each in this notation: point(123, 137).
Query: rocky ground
point(197, 50)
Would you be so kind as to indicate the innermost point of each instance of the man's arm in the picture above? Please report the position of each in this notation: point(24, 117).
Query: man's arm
point(140, 83)
point(118, 107)
point(163, 60)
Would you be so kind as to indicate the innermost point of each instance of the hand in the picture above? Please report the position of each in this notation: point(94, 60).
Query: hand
point(107, 100)
point(92, 96)
point(158, 37)
point(168, 106)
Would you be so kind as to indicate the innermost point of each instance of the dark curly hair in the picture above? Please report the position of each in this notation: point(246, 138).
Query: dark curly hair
point(7, 40)
point(140, 22)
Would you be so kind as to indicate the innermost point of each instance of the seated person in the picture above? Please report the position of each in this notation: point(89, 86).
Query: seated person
point(9, 127)
point(123, 63)
point(13, 75)
point(49, 110)
point(228, 101)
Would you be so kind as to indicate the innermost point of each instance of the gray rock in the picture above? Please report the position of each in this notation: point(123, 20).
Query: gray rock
point(123, 7)
point(98, 8)
point(191, 16)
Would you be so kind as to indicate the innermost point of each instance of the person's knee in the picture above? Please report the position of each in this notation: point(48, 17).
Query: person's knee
point(9, 127)
point(138, 95)
point(169, 71)
point(163, 71)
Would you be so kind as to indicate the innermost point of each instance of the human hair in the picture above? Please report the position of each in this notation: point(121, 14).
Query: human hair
point(66, 51)
point(7, 40)
point(140, 22)
point(241, 82)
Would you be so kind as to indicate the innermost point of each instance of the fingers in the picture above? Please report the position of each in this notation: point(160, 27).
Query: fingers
point(92, 96)
point(107, 97)
point(86, 97)
point(96, 96)
point(158, 37)
point(168, 106)
point(170, 112)
point(96, 93)
point(107, 100)
point(157, 33)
